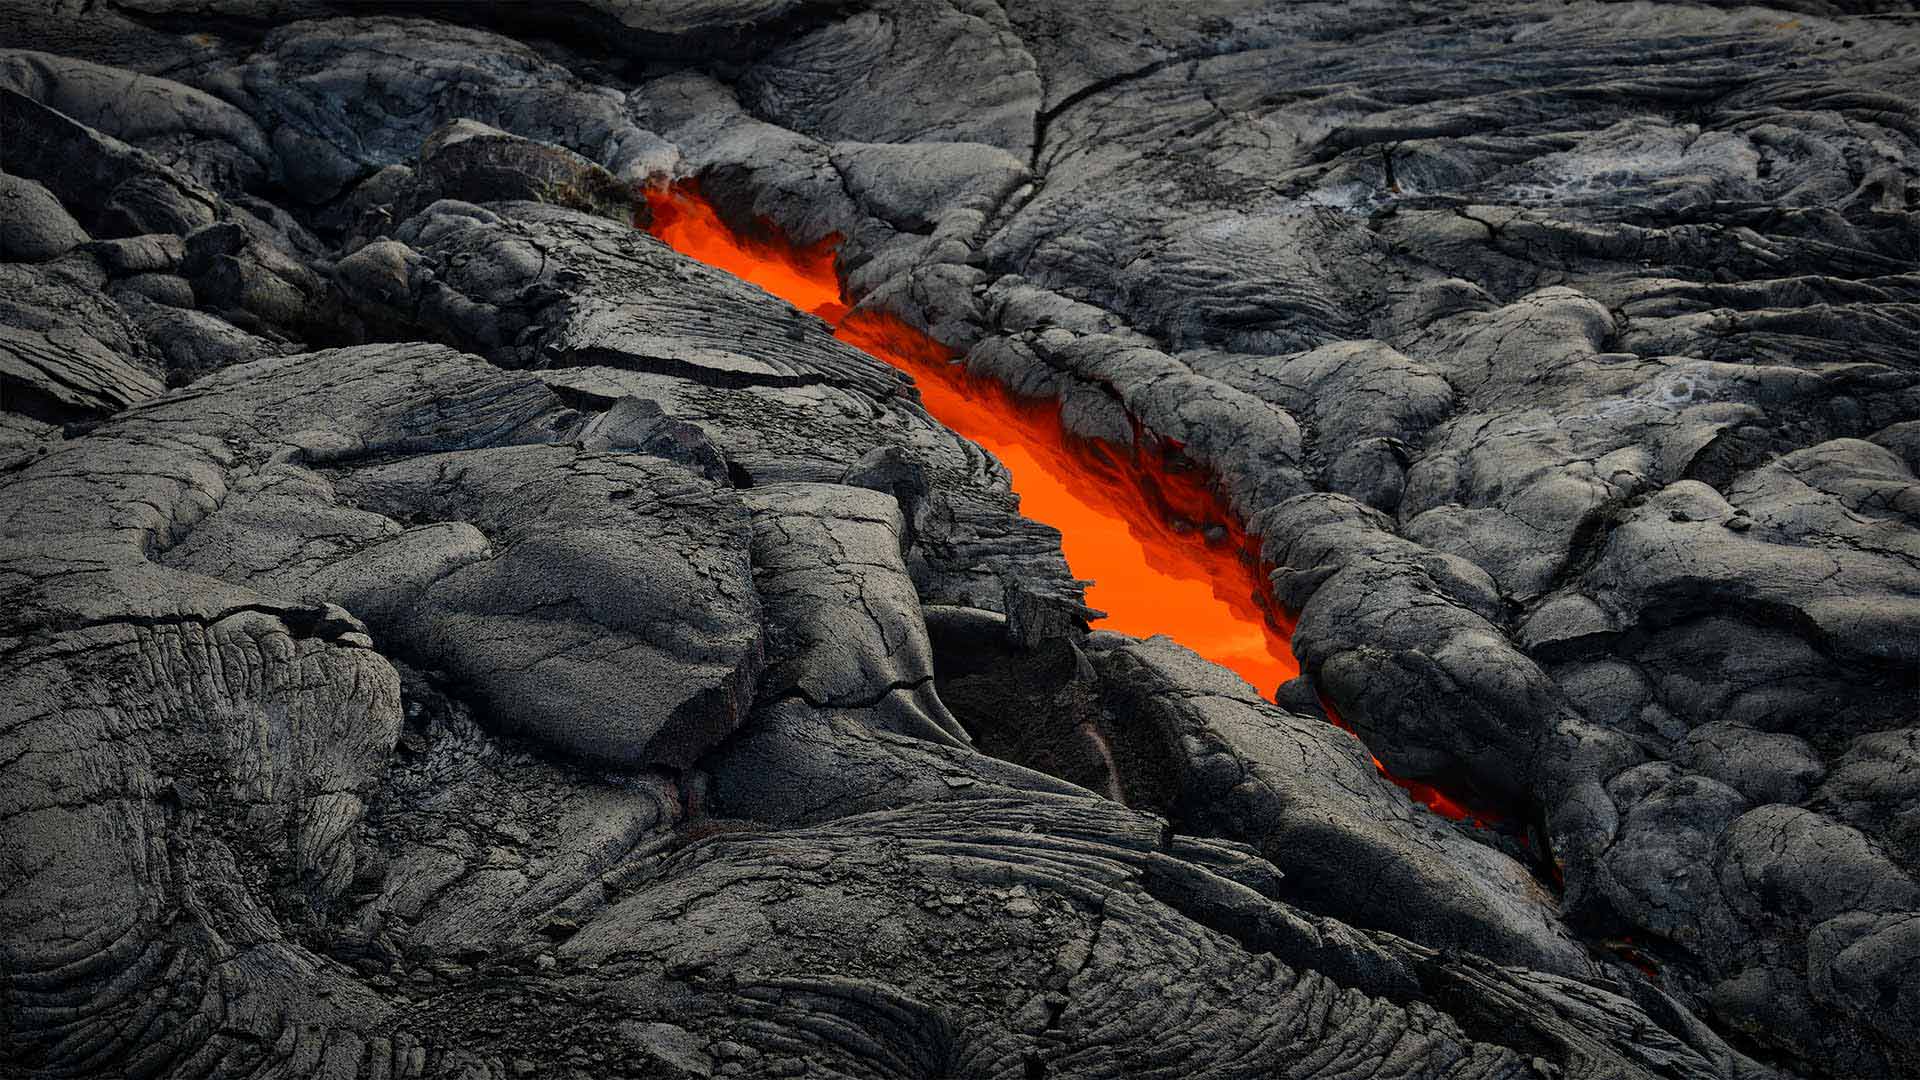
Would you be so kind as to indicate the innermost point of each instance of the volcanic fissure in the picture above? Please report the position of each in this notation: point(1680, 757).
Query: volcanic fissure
point(1160, 552)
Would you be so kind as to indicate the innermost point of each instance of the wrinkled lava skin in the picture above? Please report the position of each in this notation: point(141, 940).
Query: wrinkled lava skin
point(934, 538)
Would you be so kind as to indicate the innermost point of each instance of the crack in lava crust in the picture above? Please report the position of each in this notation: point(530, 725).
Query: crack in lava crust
point(1161, 553)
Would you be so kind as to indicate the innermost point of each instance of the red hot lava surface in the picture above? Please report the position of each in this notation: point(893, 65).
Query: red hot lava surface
point(1163, 554)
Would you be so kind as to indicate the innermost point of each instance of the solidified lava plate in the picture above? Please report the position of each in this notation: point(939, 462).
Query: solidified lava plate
point(941, 538)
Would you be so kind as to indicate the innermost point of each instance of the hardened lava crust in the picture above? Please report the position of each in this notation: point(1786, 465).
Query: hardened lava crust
point(446, 631)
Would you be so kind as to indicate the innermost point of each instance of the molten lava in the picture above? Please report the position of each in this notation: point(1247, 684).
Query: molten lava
point(802, 276)
point(1164, 555)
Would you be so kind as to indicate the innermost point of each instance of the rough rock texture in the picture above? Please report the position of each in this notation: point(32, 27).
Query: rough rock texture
point(36, 227)
point(445, 632)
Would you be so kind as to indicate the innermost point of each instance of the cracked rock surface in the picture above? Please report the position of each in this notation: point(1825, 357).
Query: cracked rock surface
point(445, 632)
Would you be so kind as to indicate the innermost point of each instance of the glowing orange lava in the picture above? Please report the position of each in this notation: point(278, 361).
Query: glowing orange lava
point(1136, 525)
point(802, 276)
point(1130, 522)
point(1164, 555)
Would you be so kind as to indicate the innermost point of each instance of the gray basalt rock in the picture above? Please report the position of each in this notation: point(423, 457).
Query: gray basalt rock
point(1198, 745)
point(1766, 767)
point(889, 469)
point(321, 146)
point(797, 764)
point(970, 539)
point(1250, 449)
point(155, 253)
point(257, 285)
point(611, 671)
point(845, 630)
point(1365, 404)
point(473, 162)
point(1872, 786)
point(757, 170)
point(543, 286)
point(111, 188)
point(35, 226)
point(191, 130)
point(627, 634)
point(915, 186)
point(190, 342)
point(65, 376)
point(904, 71)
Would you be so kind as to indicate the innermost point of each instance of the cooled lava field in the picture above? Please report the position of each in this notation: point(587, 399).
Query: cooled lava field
point(911, 539)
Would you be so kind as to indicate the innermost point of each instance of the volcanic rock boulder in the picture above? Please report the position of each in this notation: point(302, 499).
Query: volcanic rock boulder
point(1197, 745)
point(847, 629)
point(538, 285)
point(249, 729)
point(189, 129)
point(36, 226)
point(113, 189)
point(472, 162)
point(67, 376)
point(613, 615)
point(322, 146)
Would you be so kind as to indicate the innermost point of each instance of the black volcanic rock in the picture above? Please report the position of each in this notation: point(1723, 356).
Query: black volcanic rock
point(446, 632)
point(36, 226)
point(472, 162)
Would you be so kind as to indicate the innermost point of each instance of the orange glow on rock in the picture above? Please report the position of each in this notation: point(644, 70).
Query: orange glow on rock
point(1425, 794)
point(802, 276)
point(1164, 554)
point(1628, 950)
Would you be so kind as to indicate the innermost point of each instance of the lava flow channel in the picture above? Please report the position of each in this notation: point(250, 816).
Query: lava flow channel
point(1162, 554)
